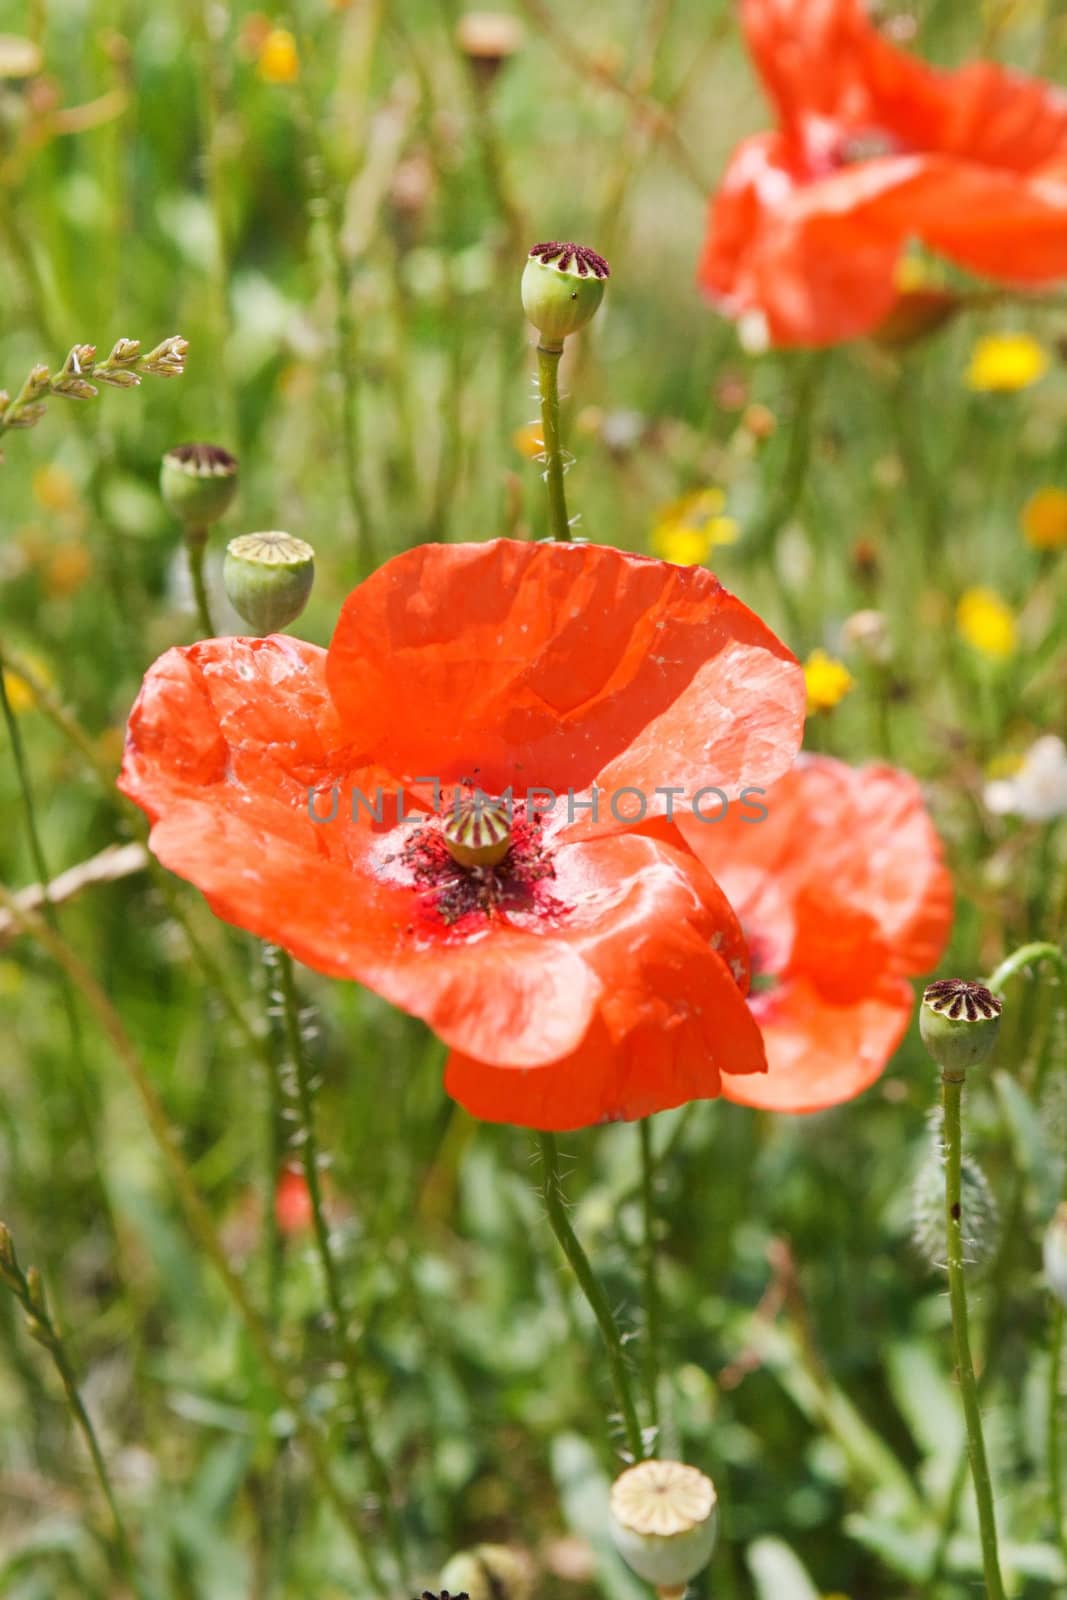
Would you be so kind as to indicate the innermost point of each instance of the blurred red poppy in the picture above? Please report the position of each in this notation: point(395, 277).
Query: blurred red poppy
point(842, 895)
point(610, 953)
point(873, 148)
point(292, 1202)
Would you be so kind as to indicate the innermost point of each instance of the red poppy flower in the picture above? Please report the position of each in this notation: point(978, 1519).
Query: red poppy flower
point(842, 896)
point(292, 1202)
point(610, 956)
point(875, 147)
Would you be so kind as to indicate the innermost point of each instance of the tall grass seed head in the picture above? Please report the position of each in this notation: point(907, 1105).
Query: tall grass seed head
point(664, 1522)
point(268, 578)
point(562, 287)
point(959, 1022)
point(198, 483)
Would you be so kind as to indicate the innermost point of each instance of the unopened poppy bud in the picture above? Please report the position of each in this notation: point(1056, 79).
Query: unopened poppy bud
point(198, 483)
point(664, 1522)
point(268, 577)
point(489, 1572)
point(1054, 1251)
point(959, 1022)
point(562, 287)
point(478, 832)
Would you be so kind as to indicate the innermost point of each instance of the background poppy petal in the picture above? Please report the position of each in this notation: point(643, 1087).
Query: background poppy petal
point(853, 844)
point(820, 1054)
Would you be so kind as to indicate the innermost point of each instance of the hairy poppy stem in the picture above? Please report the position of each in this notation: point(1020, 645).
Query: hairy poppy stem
point(548, 383)
point(195, 545)
point(552, 1190)
point(309, 1149)
point(952, 1097)
point(1025, 956)
point(201, 1223)
point(648, 1268)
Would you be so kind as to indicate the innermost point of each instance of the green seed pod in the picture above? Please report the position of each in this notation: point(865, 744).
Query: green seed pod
point(664, 1522)
point(1054, 1252)
point(268, 577)
point(562, 287)
point(489, 1572)
point(478, 832)
point(198, 483)
point(959, 1022)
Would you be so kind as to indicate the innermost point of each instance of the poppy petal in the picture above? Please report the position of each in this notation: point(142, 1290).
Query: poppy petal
point(851, 845)
point(673, 1025)
point(508, 663)
point(806, 228)
point(820, 1054)
point(223, 745)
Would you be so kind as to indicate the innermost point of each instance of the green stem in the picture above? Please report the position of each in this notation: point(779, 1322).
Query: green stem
point(648, 1269)
point(334, 1297)
point(82, 1092)
point(327, 204)
point(28, 1291)
point(195, 545)
point(952, 1095)
point(199, 1219)
point(552, 1192)
point(1055, 1458)
point(548, 382)
point(1025, 956)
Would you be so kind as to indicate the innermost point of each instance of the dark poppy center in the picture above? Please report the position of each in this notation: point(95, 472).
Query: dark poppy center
point(457, 891)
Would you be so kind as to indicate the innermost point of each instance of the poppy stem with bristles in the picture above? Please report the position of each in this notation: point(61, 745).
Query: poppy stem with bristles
point(309, 1150)
point(952, 1097)
point(548, 383)
point(552, 1190)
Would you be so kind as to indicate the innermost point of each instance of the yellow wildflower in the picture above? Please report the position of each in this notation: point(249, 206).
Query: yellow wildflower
point(20, 697)
point(529, 441)
point(687, 529)
point(987, 623)
point(54, 488)
point(1044, 519)
point(827, 681)
point(68, 568)
point(1002, 362)
point(278, 60)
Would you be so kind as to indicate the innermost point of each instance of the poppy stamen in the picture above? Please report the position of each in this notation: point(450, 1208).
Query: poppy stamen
point(497, 881)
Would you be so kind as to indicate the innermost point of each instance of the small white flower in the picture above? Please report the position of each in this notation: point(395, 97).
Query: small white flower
point(1038, 791)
